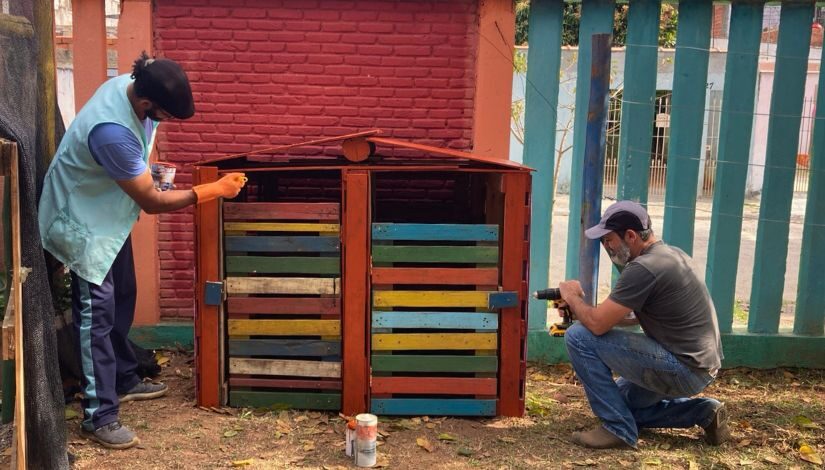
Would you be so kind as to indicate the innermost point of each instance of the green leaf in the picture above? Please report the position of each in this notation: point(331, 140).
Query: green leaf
point(230, 433)
point(446, 437)
point(70, 413)
point(465, 452)
point(805, 422)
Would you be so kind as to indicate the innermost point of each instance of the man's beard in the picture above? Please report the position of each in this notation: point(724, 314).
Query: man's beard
point(621, 256)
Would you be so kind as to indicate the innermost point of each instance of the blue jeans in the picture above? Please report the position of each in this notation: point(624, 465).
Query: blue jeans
point(652, 389)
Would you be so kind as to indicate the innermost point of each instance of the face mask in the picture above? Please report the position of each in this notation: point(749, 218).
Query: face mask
point(152, 113)
point(621, 256)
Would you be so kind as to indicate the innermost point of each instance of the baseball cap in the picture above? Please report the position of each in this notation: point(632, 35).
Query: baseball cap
point(164, 82)
point(623, 215)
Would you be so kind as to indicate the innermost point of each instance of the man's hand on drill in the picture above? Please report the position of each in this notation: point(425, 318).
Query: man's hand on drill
point(569, 290)
point(227, 187)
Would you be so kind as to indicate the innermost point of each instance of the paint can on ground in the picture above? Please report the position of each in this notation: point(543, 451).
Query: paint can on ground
point(163, 175)
point(350, 438)
point(366, 434)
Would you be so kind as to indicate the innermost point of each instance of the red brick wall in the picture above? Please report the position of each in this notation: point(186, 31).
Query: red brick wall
point(268, 72)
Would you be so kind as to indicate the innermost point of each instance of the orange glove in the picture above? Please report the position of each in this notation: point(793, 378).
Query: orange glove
point(229, 186)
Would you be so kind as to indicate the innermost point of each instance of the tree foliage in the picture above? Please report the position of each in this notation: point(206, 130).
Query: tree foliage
point(572, 17)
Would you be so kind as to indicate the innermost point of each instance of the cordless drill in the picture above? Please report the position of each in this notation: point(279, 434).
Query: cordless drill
point(553, 294)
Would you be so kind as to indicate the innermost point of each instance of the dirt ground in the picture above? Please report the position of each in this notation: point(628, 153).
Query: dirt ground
point(774, 414)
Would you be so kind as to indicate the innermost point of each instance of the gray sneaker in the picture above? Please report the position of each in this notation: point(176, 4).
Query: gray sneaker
point(145, 391)
point(113, 435)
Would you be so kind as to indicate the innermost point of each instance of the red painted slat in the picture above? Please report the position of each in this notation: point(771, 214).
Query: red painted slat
point(284, 383)
point(447, 276)
point(355, 252)
point(207, 233)
point(513, 275)
point(240, 306)
point(280, 211)
point(435, 385)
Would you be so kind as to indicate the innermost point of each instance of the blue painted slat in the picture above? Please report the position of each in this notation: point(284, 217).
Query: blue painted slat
point(732, 164)
point(432, 407)
point(596, 17)
point(787, 95)
point(498, 300)
point(297, 244)
point(638, 98)
point(284, 347)
point(810, 296)
point(594, 164)
point(435, 320)
point(540, 103)
point(441, 232)
point(690, 73)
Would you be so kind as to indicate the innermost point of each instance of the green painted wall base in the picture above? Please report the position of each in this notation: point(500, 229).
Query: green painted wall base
point(164, 335)
point(742, 349)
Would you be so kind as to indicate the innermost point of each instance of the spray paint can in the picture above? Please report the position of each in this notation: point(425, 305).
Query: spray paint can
point(350, 438)
point(366, 434)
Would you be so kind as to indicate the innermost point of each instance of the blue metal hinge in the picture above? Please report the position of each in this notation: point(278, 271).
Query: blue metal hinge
point(502, 300)
point(213, 293)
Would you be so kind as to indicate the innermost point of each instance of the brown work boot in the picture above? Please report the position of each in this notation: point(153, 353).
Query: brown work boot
point(717, 432)
point(598, 438)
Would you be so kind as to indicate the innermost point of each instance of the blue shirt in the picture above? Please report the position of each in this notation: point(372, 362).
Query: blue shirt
point(116, 149)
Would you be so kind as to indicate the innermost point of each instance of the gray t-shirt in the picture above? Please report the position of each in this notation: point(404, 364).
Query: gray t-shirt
point(672, 304)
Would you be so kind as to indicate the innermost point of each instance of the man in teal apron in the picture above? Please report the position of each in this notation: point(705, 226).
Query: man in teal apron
point(93, 192)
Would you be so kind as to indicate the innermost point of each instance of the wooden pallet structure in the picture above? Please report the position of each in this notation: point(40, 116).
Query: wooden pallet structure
point(323, 287)
point(283, 268)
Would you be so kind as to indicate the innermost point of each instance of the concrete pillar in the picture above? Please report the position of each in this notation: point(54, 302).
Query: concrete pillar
point(88, 48)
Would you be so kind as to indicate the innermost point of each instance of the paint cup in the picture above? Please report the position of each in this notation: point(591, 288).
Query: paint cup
point(350, 438)
point(163, 175)
point(366, 434)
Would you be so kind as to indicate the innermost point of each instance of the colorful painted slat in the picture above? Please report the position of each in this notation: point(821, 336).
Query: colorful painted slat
point(434, 254)
point(432, 407)
point(271, 244)
point(284, 367)
point(283, 285)
point(283, 347)
point(279, 227)
point(433, 341)
point(432, 320)
point(439, 276)
point(235, 211)
point(435, 385)
point(284, 327)
point(277, 400)
point(281, 265)
point(285, 383)
point(440, 232)
point(427, 363)
point(478, 299)
point(283, 306)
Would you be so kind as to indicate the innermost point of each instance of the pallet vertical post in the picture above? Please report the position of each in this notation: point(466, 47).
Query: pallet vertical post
point(355, 245)
point(207, 321)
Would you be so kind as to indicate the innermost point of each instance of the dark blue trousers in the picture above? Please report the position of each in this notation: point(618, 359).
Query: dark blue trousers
point(102, 316)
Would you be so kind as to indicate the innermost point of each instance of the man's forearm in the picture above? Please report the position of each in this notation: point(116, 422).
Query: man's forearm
point(168, 201)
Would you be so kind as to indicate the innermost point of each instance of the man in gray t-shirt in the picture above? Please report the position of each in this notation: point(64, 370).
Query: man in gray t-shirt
point(676, 358)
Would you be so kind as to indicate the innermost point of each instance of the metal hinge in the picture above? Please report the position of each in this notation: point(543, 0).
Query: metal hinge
point(213, 293)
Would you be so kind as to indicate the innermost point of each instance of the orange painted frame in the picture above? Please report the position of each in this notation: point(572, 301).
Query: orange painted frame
point(513, 321)
point(355, 245)
point(207, 317)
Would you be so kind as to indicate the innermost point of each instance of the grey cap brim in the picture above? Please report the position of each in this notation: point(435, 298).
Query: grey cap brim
point(597, 231)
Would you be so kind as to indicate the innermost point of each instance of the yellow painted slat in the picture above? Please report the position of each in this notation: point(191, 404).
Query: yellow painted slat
point(434, 341)
point(283, 285)
point(285, 327)
point(284, 367)
point(280, 227)
point(430, 298)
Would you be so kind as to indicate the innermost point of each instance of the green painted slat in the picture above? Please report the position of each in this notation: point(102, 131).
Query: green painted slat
point(281, 400)
point(638, 97)
point(451, 232)
point(810, 295)
point(286, 244)
point(432, 407)
point(687, 120)
point(425, 363)
point(787, 95)
point(596, 17)
point(434, 254)
point(732, 163)
point(280, 265)
point(541, 100)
